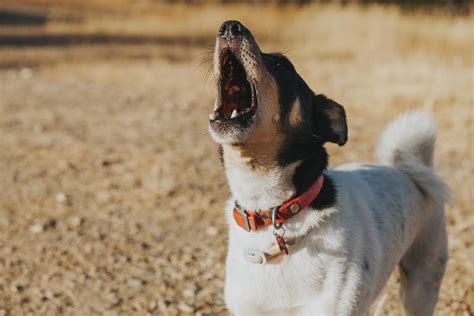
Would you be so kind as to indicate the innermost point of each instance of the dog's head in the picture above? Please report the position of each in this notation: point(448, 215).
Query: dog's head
point(264, 107)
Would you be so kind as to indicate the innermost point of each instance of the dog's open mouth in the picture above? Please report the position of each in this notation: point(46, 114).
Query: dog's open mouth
point(237, 98)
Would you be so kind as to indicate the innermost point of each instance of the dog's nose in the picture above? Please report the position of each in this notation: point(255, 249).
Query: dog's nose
point(231, 29)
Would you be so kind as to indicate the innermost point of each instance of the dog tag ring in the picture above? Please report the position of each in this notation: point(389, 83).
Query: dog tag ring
point(279, 239)
point(281, 243)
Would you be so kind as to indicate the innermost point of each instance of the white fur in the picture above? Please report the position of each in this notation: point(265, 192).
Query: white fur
point(257, 190)
point(230, 137)
point(408, 143)
point(384, 216)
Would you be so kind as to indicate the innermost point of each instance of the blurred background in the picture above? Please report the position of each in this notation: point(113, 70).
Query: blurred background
point(111, 190)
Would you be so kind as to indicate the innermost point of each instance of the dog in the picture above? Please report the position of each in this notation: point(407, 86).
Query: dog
point(305, 239)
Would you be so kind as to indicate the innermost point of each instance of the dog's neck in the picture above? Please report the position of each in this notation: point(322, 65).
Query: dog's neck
point(256, 186)
point(261, 186)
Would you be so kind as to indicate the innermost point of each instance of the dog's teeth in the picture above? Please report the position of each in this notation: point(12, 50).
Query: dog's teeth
point(234, 114)
point(212, 116)
point(215, 106)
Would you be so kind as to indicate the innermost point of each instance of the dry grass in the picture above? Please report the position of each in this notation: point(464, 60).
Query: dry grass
point(111, 192)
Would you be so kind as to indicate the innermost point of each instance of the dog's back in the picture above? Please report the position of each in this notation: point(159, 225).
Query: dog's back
point(402, 207)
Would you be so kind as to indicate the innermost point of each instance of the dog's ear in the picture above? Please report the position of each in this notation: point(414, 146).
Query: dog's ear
point(329, 120)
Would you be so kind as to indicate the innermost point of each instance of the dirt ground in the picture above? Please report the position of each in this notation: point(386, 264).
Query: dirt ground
point(111, 191)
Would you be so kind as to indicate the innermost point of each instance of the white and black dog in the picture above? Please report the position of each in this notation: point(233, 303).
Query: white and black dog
point(304, 239)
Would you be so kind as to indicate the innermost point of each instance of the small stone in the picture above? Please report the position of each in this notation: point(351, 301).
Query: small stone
point(152, 306)
point(212, 231)
point(185, 308)
point(188, 293)
point(162, 306)
point(137, 306)
point(208, 275)
point(26, 73)
point(75, 221)
point(48, 294)
point(134, 282)
point(36, 229)
point(61, 197)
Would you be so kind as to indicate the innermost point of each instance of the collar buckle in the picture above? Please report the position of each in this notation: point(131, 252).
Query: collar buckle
point(244, 217)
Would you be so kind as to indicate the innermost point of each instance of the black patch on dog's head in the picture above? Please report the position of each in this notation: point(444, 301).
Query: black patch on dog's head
point(329, 120)
point(321, 120)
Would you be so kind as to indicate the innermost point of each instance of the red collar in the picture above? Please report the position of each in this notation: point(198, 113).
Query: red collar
point(253, 220)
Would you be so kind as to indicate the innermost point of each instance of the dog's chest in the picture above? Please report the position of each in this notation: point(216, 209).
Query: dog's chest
point(304, 276)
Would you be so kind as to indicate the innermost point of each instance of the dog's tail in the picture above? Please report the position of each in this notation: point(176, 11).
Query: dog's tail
point(408, 144)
